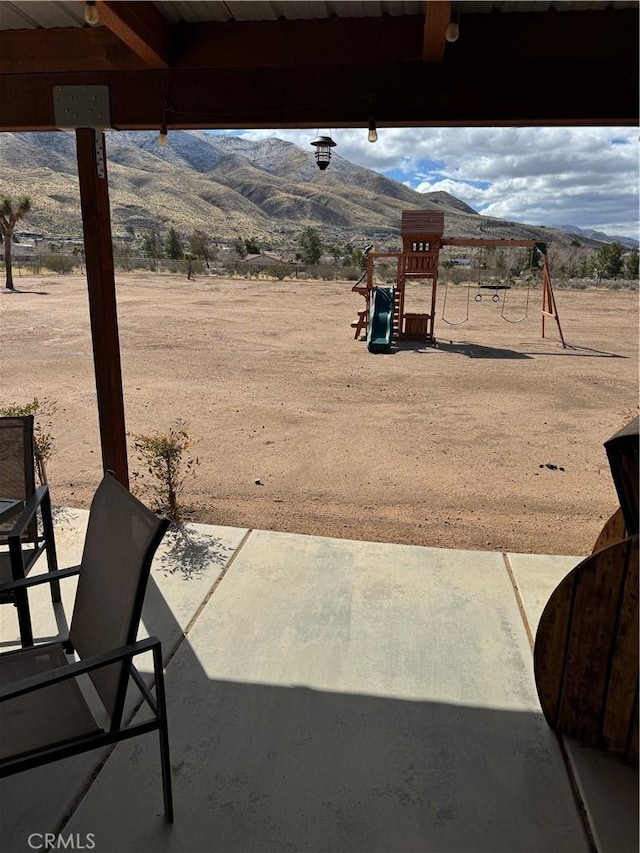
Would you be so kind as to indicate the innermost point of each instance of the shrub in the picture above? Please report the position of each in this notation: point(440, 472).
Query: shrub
point(280, 271)
point(350, 273)
point(62, 264)
point(43, 411)
point(166, 458)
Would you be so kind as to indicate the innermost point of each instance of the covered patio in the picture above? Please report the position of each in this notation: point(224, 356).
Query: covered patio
point(338, 695)
point(95, 65)
point(323, 694)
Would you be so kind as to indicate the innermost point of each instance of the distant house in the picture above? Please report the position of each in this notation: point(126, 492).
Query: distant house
point(25, 250)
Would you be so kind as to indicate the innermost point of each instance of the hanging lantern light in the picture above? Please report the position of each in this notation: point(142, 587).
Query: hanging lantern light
point(323, 146)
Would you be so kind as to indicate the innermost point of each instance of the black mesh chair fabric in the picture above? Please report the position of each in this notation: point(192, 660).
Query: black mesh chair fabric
point(28, 535)
point(17, 468)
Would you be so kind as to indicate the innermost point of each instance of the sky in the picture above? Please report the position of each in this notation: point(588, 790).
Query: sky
point(584, 177)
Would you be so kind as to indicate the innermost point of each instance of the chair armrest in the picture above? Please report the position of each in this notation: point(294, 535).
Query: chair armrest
point(37, 580)
point(28, 512)
point(72, 670)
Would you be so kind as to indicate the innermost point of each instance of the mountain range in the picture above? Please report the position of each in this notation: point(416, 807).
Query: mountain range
point(228, 186)
point(592, 234)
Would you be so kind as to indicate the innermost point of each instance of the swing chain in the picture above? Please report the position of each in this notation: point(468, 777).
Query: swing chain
point(444, 304)
point(526, 305)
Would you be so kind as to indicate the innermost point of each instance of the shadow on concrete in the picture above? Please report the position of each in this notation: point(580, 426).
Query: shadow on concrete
point(287, 767)
point(260, 767)
point(63, 516)
point(189, 552)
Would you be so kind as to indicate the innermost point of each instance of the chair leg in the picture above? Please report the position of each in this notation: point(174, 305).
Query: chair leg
point(167, 791)
point(20, 596)
point(50, 545)
point(163, 733)
point(24, 618)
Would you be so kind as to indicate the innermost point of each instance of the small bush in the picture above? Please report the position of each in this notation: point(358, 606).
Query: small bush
point(43, 411)
point(327, 272)
point(350, 273)
point(168, 463)
point(62, 264)
point(280, 271)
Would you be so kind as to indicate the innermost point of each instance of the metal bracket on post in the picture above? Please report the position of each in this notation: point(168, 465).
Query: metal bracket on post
point(100, 154)
point(82, 106)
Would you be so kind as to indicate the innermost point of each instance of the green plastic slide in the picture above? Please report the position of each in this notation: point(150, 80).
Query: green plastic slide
point(380, 320)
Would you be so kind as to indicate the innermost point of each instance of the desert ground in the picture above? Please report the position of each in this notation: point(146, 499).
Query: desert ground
point(490, 440)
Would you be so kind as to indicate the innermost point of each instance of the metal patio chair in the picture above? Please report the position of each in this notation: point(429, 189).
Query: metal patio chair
point(44, 714)
point(28, 535)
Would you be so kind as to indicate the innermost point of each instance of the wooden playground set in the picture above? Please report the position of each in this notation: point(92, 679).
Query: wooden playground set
point(386, 320)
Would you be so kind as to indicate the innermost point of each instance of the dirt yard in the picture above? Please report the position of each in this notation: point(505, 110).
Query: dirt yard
point(491, 440)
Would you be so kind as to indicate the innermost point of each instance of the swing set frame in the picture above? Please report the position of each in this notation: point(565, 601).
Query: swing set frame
point(549, 309)
point(422, 232)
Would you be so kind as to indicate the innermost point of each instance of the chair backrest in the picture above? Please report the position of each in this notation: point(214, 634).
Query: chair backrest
point(623, 450)
point(17, 463)
point(122, 538)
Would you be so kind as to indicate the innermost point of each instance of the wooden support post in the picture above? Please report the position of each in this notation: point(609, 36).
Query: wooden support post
point(432, 317)
point(370, 273)
point(94, 200)
point(549, 307)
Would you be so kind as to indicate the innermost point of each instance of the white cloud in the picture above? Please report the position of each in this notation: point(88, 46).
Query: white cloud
point(472, 195)
point(586, 177)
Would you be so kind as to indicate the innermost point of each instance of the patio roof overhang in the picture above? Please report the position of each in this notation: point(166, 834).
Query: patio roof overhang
point(301, 64)
point(571, 67)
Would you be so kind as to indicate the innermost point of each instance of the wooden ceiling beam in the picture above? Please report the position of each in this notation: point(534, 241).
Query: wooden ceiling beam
point(406, 94)
point(88, 49)
point(333, 42)
point(437, 14)
point(264, 44)
point(506, 69)
point(515, 38)
point(144, 30)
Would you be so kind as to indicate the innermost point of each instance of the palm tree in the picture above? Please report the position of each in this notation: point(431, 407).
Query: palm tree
point(10, 213)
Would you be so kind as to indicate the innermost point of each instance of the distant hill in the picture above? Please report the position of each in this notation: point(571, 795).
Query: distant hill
point(228, 187)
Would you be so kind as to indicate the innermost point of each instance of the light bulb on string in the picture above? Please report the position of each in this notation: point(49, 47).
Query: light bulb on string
point(163, 136)
point(452, 32)
point(91, 15)
point(372, 136)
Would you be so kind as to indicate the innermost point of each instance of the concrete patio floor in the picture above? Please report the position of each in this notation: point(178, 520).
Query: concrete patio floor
point(332, 695)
